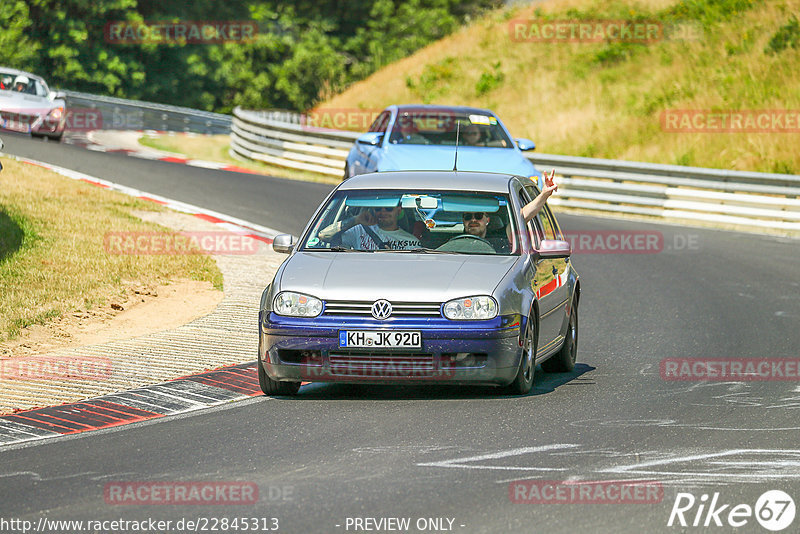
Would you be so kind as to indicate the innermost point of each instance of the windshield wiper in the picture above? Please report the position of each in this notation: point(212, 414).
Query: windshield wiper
point(419, 250)
point(335, 249)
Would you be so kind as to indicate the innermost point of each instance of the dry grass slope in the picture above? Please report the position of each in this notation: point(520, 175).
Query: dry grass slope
point(605, 99)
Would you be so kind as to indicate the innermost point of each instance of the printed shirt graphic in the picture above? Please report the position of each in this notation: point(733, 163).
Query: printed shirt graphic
point(357, 238)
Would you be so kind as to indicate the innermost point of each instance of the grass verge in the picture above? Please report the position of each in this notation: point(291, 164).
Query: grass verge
point(52, 255)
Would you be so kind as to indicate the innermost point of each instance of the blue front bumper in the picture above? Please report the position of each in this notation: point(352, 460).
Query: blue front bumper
point(454, 352)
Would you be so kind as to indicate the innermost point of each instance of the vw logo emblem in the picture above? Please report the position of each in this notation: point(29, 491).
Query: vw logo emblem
point(381, 309)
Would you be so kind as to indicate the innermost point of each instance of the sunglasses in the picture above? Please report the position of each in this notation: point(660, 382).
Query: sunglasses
point(382, 209)
point(472, 133)
point(478, 215)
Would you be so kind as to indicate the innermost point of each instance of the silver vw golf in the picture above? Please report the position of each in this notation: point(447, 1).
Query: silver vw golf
point(421, 277)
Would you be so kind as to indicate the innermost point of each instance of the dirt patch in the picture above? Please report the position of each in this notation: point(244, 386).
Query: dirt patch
point(143, 310)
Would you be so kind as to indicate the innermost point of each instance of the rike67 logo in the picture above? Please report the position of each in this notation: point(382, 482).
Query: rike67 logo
point(774, 510)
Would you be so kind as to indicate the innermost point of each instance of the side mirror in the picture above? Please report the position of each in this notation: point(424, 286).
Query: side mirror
point(283, 243)
point(370, 138)
point(525, 144)
point(555, 248)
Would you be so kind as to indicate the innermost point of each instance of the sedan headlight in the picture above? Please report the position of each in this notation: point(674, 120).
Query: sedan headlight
point(297, 305)
point(471, 308)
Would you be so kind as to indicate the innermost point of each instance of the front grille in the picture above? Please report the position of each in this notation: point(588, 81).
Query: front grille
point(381, 364)
point(399, 309)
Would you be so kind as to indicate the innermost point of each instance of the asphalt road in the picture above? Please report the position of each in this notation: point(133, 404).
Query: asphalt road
point(338, 453)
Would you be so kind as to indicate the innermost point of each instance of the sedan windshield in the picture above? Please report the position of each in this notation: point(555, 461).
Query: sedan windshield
point(439, 127)
point(448, 222)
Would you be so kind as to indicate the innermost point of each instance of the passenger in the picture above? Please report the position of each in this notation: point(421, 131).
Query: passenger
point(471, 135)
point(373, 229)
point(532, 208)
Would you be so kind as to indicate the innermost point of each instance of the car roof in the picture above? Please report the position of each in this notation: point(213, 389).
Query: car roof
point(431, 180)
point(434, 107)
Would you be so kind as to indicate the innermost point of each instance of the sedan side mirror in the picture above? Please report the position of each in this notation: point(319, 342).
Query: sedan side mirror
point(525, 144)
point(555, 248)
point(283, 243)
point(370, 138)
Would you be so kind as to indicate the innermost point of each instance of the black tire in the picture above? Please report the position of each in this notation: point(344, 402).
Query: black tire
point(273, 387)
point(523, 382)
point(346, 172)
point(564, 360)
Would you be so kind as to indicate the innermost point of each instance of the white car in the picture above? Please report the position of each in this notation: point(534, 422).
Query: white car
point(27, 105)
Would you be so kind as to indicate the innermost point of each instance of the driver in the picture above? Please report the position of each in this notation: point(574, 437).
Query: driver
point(21, 83)
point(376, 228)
point(475, 223)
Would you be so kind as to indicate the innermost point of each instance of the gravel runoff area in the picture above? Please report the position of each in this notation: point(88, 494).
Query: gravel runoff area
point(227, 336)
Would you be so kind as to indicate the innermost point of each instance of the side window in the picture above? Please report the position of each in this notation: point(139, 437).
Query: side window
point(546, 225)
point(40, 90)
point(553, 222)
point(380, 123)
point(533, 231)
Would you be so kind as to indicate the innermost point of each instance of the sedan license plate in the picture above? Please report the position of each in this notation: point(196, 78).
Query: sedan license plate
point(16, 126)
point(388, 339)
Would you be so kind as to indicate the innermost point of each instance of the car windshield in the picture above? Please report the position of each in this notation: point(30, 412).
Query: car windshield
point(438, 127)
point(447, 222)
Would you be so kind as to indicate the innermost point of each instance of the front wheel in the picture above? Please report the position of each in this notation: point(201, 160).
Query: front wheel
point(523, 382)
point(564, 361)
point(273, 387)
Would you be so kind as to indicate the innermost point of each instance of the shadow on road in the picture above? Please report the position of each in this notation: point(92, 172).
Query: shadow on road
point(543, 383)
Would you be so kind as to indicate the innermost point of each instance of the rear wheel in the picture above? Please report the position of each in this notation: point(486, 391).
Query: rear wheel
point(523, 382)
point(273, 387)
point(564, 360)
point(346, 172)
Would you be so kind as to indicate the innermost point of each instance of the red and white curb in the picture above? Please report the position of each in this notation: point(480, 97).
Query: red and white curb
point(225, 222)
point(91, 143)
point(187, 394)
point(182, 395)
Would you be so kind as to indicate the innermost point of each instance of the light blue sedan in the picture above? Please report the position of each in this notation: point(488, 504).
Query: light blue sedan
point(423, 137)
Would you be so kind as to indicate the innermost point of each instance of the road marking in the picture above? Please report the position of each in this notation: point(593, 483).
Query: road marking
point(751, 467)
point(459, 462)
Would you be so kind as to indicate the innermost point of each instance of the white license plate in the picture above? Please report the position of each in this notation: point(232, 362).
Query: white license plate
point(370, 339)
point(16, 126)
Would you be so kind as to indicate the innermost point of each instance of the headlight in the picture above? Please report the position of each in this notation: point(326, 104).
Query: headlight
point(55, 114)
point(296, 305)
point(471, 308)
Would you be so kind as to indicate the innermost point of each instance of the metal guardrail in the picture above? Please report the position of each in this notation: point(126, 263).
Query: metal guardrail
point(121, 114)
point(763, 200)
